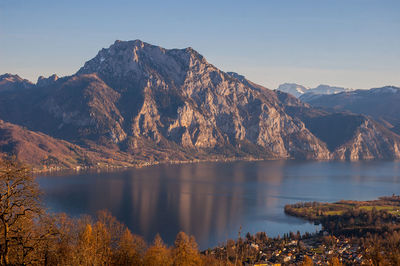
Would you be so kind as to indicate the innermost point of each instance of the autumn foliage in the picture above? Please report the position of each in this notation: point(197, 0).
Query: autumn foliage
point(29, 235)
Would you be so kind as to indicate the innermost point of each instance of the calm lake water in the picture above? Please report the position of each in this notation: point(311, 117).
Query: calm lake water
point(212, 201)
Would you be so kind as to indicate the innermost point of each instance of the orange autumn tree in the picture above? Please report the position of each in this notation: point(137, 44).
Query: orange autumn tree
point(185, 252)
point(158, 253)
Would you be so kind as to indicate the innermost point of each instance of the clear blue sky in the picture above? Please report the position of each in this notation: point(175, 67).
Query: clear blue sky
point(350, 43)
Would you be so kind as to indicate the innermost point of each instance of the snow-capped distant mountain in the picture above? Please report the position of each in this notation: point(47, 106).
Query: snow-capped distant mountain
point(326, 89)
point(299, 90)
point(385, 90)
point(294, 89)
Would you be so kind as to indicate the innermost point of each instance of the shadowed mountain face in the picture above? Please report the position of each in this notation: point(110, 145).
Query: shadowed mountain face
point(41, 150)
point(382, 104)
point(148, 104)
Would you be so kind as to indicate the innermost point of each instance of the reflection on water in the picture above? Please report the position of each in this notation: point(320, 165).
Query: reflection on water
point(213, 200)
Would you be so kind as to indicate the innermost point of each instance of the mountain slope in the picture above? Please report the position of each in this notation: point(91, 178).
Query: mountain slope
point(77, 107)
point(46, 153)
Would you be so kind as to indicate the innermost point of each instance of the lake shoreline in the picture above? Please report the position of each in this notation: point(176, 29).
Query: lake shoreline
point(109, 168)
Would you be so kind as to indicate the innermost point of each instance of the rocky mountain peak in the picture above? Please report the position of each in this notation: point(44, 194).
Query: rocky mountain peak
point(11, 82)
point(10, 77)
point(42, 81)
point(137, 61)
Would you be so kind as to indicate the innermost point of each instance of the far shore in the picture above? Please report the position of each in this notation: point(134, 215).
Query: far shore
point(107, 167)
point(103, 167)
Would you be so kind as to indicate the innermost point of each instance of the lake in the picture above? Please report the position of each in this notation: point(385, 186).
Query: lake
point(212, 201)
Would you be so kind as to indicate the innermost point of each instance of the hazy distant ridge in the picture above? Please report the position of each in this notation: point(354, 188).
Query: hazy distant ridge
point(299, 90)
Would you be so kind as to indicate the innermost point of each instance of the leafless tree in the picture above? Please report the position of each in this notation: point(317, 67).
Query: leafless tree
point(19, 205)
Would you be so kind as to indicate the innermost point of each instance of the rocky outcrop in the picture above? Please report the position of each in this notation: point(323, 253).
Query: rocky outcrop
point(42, 81)
point(370, 141)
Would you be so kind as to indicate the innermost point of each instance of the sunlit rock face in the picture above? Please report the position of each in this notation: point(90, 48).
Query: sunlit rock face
point(145, 103)
point(371, 141)
point(177, 96)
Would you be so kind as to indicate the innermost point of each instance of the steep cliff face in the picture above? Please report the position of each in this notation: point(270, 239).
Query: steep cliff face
point(135, 102)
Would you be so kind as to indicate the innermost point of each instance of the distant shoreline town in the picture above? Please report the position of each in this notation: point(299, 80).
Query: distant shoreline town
point(353, 233)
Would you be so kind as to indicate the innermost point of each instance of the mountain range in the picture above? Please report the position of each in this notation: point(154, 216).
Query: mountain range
point(135, 104)
point(302, 91)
